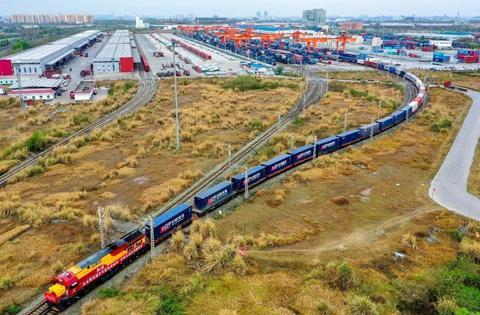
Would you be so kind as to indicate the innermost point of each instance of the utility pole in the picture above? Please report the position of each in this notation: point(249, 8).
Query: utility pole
point(314, 148)
point(19, 84)
point(345, 123)
point(177, 129)
point(247, 193)
point(152, 238)
point(101, 226)
point(292, 143)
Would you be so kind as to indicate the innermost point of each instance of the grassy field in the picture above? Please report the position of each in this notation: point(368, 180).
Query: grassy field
point(467, 79)
point(474, 178)
point(129, 167)
point(23, 132)
point(322, 240)
point(370, 75)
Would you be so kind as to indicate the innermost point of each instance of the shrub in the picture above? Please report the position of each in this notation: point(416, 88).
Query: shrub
point(443, 126)
point(170, 304)
point(325, 308)
point(108, 292)
point(346, 277)
point(6, 282)
point(360, 305)
point(298, 122)
point(470, 248)
point(11, 309)
point(357, 93)
point(446, 306)
point(195, 283)
point(36, 142)
point(336, 86)
point(255, 124)
point(178, 242)
point(248, 83)
point(279, 70)
point(238, 265)
point(80, 119)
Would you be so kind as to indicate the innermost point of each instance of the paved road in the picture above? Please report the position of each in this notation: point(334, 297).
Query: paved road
point(449, 187)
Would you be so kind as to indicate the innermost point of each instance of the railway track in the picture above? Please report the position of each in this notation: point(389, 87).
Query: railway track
point(315, 91)
point(44, 309)
point(148, 87)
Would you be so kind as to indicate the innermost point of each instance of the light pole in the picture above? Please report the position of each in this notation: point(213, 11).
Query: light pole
point(177, 123)
point(101, 226)
point(152, 238)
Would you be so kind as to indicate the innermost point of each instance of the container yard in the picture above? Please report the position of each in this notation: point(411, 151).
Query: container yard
point(307, 48)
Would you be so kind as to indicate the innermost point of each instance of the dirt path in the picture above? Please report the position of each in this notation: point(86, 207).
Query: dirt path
point(362, 236)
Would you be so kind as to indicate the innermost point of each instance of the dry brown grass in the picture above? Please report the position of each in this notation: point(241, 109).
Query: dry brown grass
point(13, 233)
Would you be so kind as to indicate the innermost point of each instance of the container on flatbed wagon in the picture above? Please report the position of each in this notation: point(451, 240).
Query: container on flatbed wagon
point(328, 145)
point(277, 164)
point(255, 175)
point(386, 122)
point(399, 116)
point(214, 196)
point(169, 221)
point(368, 130)
point(414, 106)
point(349, 137)
point(302, 154)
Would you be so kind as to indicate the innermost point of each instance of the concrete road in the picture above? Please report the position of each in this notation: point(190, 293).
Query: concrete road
point(449, 187)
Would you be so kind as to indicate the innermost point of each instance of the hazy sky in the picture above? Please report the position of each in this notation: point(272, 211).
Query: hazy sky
point(242, 7)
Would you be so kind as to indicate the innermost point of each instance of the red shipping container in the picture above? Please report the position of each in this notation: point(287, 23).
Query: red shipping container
point(6, 67)
point(126, 64)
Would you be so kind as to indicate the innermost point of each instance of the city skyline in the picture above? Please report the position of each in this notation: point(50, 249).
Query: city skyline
point(246, 8)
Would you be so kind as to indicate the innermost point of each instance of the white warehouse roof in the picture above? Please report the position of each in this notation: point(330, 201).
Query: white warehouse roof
point(118, 46)
point(51, 53)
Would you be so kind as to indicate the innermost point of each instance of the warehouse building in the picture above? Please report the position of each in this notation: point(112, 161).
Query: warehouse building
point(116, 56)
point(35, 61)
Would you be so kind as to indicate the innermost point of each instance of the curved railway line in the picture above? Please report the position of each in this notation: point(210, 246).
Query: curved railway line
point(146, 92)
point(315, 91)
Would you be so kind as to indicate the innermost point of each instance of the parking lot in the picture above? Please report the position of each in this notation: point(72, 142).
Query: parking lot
point(73, 68)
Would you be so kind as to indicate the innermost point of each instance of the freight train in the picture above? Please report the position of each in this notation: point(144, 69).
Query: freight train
point(72, 283)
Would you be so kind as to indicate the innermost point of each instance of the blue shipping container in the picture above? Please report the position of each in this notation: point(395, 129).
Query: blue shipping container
point(214, 196)
point(368, 130)
point(302, 154)
point(349, 137)
point(165, 223)
point(399, 116)
point(386, 122)
point(277, 164)
point(328, 145)
point(255, 175)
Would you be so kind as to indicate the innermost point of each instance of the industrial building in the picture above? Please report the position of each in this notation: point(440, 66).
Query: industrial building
point(315, 17)
point(116, 55)
point(35, 61)
point(84, 90)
